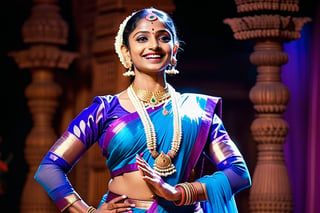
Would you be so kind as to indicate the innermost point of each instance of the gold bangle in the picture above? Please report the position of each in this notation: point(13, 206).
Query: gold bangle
point(193, 193)
point(204, 188)
point(200, 188)
point(67, 201)
point(183, 196)
point(91, 209)
point(190, 193)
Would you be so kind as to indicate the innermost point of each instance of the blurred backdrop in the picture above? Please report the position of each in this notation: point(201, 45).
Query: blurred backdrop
point(212, 62)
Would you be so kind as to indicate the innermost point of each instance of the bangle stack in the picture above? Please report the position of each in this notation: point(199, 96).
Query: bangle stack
point(91, 209)
point(190, 193)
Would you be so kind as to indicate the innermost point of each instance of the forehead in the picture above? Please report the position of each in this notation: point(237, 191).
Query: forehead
point(150, 26)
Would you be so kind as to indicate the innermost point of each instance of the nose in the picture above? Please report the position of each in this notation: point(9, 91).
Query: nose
point(154, 44)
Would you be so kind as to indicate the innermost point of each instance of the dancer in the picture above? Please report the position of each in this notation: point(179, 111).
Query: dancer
point(151, 136)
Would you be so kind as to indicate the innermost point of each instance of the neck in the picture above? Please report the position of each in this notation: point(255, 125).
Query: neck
point(150, 82)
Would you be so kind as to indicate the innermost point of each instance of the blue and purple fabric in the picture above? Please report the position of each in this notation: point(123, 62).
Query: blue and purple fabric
point(121, 136)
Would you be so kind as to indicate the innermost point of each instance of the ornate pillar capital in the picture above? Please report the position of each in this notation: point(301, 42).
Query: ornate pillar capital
point(43, 56)
point(45, 26)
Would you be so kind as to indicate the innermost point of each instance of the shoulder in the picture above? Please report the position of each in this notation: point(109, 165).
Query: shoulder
point(200, 97)
point(105, 99)
point(209, 103)
point(101, 105)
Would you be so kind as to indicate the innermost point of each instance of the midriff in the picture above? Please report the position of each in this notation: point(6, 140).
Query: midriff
point(132, 185)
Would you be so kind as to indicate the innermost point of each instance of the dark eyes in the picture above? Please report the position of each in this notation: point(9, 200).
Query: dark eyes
point(142, 39)
point(163, 38)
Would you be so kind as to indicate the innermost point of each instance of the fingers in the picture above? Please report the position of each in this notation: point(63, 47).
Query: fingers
point(122, 209)
point(145, 171)
point(144, 166)
point(118, 199)
point(142, 162)
point(117, 204)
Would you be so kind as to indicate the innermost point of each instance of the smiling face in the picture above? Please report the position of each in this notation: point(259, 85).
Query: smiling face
point(150, 46)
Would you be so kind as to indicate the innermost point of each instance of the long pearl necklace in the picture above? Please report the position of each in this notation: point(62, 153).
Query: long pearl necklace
point(163, 164)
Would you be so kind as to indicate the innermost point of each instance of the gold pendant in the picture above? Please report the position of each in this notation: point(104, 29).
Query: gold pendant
point(153, 101)
point(163, 165)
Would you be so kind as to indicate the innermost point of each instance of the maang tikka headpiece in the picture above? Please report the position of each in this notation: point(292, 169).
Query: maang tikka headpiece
point(151, 17)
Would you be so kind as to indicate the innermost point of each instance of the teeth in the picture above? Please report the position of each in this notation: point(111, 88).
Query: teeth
point(153, 56)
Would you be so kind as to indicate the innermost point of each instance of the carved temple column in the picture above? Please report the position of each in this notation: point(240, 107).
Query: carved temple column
point(107, 70)
point(268, 23)
point(44, 31)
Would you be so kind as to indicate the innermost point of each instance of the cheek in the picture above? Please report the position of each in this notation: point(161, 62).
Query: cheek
point(137, 50)
point(134, 53)
point(169, 52)
point(169, 49)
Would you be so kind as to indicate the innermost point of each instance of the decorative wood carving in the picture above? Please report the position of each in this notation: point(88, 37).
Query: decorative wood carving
point(270, 190)
point(44, 31)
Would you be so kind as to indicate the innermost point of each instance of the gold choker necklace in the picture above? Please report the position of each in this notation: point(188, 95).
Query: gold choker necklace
point(151, 98)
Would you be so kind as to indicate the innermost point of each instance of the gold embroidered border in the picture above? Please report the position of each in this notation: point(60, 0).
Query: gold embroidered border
point(69, 147)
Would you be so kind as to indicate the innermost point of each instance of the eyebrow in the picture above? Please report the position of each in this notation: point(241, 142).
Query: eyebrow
point(145, 31)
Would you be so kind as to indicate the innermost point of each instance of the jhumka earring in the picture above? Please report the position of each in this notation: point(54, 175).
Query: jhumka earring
point(129, 72)
point(171, 68)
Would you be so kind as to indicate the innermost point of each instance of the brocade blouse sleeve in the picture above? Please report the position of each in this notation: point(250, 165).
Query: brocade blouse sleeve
point(82, 133)
point(89, 123)
point(221, 147)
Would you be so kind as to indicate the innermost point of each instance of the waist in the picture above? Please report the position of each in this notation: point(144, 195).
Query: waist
point(153, 204)
point(132, 185)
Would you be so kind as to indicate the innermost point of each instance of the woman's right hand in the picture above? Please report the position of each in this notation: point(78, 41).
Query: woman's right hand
point(115, 205)
point(156, 183)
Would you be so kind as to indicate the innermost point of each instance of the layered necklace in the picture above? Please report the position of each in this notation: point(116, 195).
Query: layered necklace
point(163, 164)
point(151, 98)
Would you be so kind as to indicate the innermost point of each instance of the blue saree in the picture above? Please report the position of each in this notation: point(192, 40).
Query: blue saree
point(121, 136)
point(125, 137)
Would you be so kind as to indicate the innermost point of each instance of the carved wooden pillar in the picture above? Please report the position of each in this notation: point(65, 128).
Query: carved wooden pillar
point(270, 190)
point(107, 72)
point(44, 31)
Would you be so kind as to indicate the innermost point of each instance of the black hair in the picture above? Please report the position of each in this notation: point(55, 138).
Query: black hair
point(132, 23)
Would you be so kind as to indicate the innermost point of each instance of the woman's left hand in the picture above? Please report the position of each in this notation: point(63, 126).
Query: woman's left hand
point(155, 182)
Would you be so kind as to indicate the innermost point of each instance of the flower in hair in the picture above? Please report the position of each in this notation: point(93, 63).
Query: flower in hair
point(119, 40)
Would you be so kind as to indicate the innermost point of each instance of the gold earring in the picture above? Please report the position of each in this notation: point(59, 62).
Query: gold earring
point(129, 71)
point(171, 68)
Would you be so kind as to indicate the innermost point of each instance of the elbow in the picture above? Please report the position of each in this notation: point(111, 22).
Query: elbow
point(243, 183)
point(247, 181)
point(39, 177)
point(238, 179)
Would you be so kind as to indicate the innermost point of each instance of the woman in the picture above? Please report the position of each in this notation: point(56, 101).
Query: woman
point(151, 136)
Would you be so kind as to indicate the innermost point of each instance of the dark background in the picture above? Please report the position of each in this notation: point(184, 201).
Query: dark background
point(212, 62)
